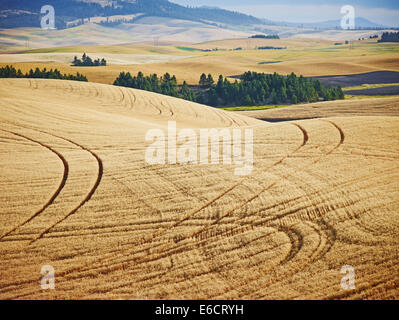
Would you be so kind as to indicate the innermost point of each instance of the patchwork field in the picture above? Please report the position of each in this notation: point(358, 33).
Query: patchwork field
point(77, 194)
point(67, 58)
point(188, 61)
point(388, 106)
point(146, 29)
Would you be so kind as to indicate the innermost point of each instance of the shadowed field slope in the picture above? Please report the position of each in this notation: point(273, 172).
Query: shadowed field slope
point(77, 194)
point(343, 108)
point(376, 77)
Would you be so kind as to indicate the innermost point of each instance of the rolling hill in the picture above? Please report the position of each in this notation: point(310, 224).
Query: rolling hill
point(25, 13)
point(77, 194)
point(336, 24)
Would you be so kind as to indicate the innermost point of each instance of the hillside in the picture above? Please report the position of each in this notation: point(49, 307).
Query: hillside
point(25, 13)
point(346, 108)
point(77, 194)
point(154, 29)
point(334, 24)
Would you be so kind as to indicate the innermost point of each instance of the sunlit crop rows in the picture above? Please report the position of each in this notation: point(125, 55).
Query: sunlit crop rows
point(77, 194)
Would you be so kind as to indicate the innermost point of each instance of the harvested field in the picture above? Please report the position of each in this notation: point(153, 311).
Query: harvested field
point(376, 77)
point(342, 108)
point(383, 91)
point(368, 62)
point(77, 194)
point(67, 58)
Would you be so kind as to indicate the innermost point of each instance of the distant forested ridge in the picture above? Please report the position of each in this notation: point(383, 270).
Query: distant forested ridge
point(253, 89)
point(26, 13)
point(389, 37)
point(11, 72)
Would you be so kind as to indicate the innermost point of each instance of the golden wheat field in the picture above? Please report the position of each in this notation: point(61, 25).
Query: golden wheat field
point(77, 194)
point(301, 56)
point(387, 106)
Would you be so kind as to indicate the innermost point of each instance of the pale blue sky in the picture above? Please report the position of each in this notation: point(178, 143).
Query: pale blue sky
point(382, 11)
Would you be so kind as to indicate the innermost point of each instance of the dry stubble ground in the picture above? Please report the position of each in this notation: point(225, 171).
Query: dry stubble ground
point(77, 194)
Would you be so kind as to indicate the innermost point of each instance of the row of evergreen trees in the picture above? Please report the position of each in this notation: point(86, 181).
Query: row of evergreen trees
point(11, 72)
point(88, 62)
point(253, 89)
point(263, 36)
point(261, 89)
point(166, 84)
point(389, 37)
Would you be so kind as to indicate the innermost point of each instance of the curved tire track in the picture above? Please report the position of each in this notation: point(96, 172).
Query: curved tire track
point(56, 193)
point(88, 196)
point(162, 248)
point(151, 238)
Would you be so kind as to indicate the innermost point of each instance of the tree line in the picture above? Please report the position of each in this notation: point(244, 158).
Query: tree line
point(271, 48)
point(165, 84)
point(11, 72)
point(263, 36)
point(253, 89)
point(86, 61)
point(389, 37)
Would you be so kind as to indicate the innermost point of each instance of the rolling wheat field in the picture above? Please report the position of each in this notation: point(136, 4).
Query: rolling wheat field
point(187, 61)
point(77, 194)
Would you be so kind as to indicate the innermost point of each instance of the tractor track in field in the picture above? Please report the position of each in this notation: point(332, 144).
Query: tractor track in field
point(321, 195)
point(151, 238)
point(219, 196)
point(295, 246)
point(294, 249)
point(159, 110)
point(66, 171)
point(169, 108)
point(296, 238)
point(177, 223)
point(55, 194)
point(91, 191)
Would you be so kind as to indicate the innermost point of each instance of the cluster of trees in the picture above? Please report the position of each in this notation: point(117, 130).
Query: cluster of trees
point(263, 36)
point(261, 89)
point(166, 84)
point(11, 72)
point(389, 37)
point(253, 89)
point(114, 23)
point(119, 21)
point(88, 62)
point(271, 48)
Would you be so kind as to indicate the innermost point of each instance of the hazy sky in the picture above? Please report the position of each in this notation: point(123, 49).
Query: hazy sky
point(382, 11)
